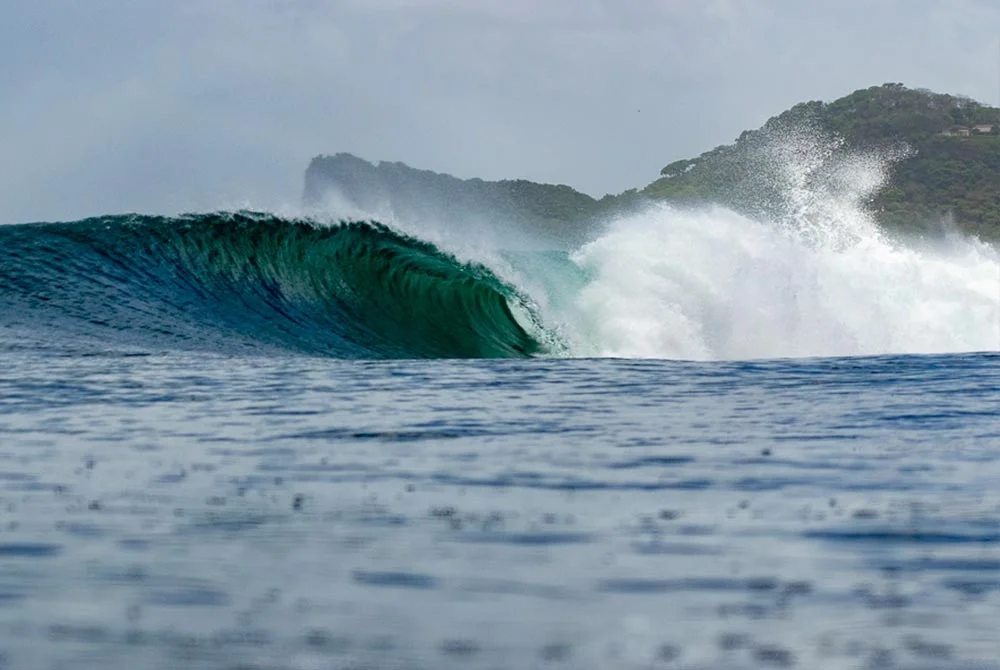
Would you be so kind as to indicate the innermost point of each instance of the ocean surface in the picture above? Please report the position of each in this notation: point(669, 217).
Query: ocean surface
point(239, 440)
point(196, 510)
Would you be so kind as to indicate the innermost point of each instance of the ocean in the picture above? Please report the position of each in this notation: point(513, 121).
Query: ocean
point(244, 440)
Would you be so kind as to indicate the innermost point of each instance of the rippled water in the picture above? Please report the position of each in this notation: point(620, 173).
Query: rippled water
point(208, 512)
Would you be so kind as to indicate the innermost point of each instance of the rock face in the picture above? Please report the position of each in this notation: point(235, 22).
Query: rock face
point(394, 190)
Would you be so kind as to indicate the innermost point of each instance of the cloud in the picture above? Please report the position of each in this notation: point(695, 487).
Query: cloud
point(197, 104)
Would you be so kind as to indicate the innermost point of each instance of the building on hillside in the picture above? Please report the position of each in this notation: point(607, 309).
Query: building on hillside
point(966, 131)
point(957, 131)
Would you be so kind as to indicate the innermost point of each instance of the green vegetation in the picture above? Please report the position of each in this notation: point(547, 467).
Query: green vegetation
point(559, 212)
point(951, 168)
point(948, 170)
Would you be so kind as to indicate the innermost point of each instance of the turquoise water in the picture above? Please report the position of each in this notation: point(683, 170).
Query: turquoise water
point(247, 281)
point(169, 508)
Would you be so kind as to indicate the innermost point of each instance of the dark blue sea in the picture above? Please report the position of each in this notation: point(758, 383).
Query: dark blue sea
point(195, 510)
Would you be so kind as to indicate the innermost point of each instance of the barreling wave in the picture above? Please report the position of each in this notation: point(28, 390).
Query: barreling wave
point(238, 281)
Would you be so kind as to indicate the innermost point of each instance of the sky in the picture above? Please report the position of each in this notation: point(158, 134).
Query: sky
point(111, 106)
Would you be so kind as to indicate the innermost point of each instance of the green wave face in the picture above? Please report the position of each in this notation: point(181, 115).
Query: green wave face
point(247, 280)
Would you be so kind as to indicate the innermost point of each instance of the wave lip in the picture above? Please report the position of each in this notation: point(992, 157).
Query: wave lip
point(246, 280)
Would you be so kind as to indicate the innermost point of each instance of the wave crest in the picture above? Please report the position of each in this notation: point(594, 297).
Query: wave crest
point(248, 280)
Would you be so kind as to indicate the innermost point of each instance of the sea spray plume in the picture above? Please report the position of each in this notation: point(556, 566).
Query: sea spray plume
point(809, 274)
point(812, 183)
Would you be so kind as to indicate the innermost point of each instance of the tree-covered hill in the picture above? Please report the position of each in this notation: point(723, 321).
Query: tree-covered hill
point(949, 164)
point(946, 168)
point(555, 211)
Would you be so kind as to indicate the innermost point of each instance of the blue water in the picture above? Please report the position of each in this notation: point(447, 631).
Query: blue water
point(197, 510)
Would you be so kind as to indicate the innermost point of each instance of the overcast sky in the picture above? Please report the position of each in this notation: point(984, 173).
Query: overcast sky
point(166, 106)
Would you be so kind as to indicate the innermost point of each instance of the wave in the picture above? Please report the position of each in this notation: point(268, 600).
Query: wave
point(697, 284)
point(239, 281)
point(804, 271)
point(808, 272)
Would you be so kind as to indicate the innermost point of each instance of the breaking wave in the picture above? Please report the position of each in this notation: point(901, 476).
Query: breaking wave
point(808, 273)
point(237, 281)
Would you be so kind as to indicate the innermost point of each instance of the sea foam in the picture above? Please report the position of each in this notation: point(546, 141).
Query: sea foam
point(815, 277)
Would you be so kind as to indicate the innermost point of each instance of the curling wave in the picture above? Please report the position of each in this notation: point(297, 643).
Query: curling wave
point(238, 281)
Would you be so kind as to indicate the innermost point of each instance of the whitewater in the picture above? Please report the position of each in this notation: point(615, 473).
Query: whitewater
point(713, 285)
point(816, 277)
